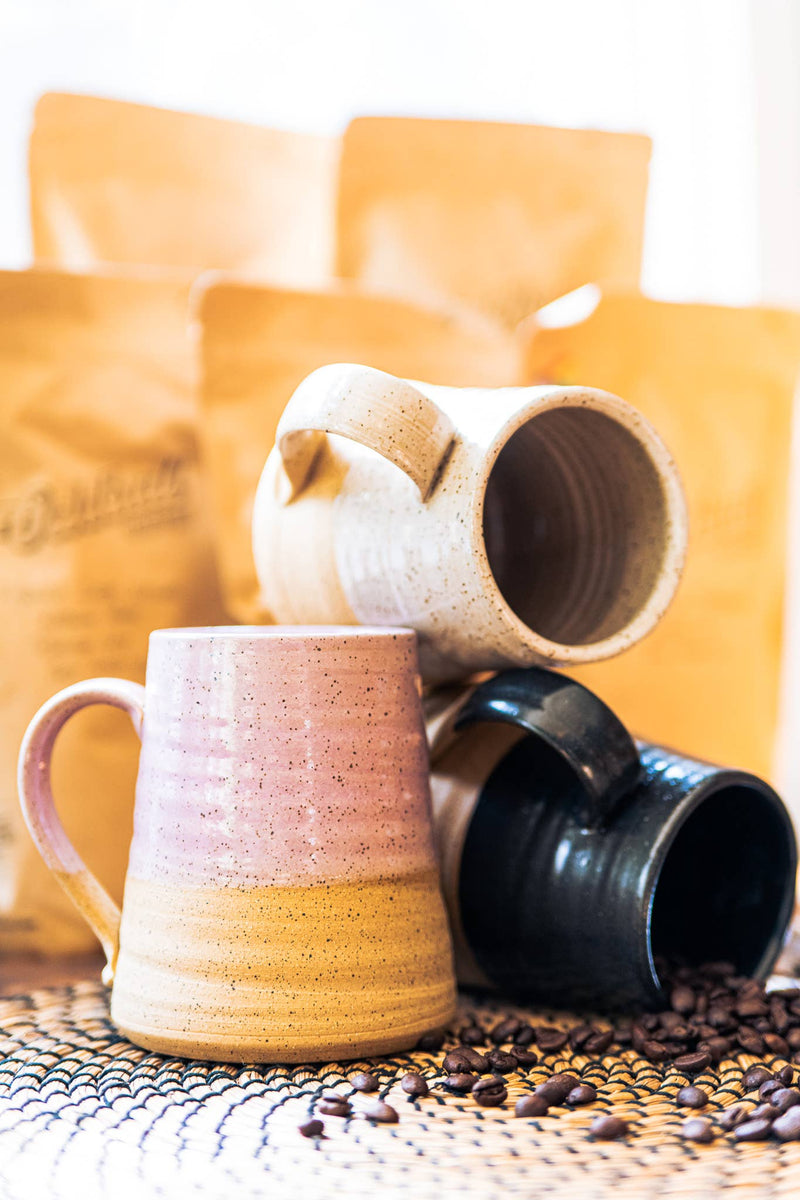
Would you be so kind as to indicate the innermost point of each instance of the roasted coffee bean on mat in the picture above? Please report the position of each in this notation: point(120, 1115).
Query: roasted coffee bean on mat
point(311, 1129)
point(608, 1128)
point(490, 1090)
point(698, 1129)
point(414, 1084)
point(531, 1106)
point(714, 1014)
point(692, 1097)
point(364, 1081)
point(384, 1113)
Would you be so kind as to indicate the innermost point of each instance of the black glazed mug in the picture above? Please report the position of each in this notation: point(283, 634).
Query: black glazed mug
point(575, 860)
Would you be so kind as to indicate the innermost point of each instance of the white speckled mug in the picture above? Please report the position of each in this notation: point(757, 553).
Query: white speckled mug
point(282, 900)
point(509, 527)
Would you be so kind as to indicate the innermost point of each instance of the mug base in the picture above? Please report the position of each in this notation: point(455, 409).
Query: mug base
point(278, 1048)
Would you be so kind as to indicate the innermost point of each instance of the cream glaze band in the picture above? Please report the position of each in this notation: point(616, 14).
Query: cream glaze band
point(299, 973)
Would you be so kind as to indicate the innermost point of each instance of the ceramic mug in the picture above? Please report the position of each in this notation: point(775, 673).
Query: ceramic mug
point(575, 862)
point(282, 900)
point(508, 526)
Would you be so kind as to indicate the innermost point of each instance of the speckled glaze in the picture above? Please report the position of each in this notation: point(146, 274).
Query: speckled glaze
point(282, 901)
point(508, 527)
point(573, 857)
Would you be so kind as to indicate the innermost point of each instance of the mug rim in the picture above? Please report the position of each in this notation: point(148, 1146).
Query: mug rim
point(332, 633)
point(718, 780)
point(677, 521)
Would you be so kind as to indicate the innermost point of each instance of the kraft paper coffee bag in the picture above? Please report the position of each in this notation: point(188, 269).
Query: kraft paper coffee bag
point(718, 385)
point(125, 183)
point(103, 537)
point(502, 218)
point(257, 344)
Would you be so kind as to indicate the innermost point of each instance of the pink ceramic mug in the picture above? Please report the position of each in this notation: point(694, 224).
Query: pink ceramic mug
point(282, 900)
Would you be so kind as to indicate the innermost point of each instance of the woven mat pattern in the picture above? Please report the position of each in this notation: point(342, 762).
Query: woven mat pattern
point(83, 1112)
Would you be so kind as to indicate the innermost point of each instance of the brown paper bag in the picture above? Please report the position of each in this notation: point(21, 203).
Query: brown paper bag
point(125, 183)
point(718, 385)
point(103, 537)
point(503, 218)
point(257, 345)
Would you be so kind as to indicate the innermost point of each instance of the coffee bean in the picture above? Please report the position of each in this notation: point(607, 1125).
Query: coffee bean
point(461, 1060)
point(648, 1021)
point(692, 1064)
point(754, 1077)
point(750, 1040)
point(787, 1126)
point(692, 1097)
point(786, 1076)
point(717, 1047)
point(655, 1051)
point(490, 1091)
point(525, 1036)
point(431, 1042)
point(335, 1108)
point(579, 1035)
point(505, 1031)
point(334, 1096)
point(365, 1081)
point(556, 1089)
point(622, 1035)
point(584, 1093)
point(502, 1062)
point(720, 1020)
point(414, 1084)
point(311, 1129)
point(682, 999)
point(384, 1113)
point(531, 1106)
point(550, 1039)
point(472, 1035)
point(784, 1099)
point(768, 1087)
point(778, 1015)
point(473, 1059)
point(752, 1007)
point(608, 1128)
point(461, 1081)
point(698, 1129)
point(793, 1038)
point(639, 1037)
point(763, 1112)
point(753, 1131)
point(599, 1042)
point(792, 993)
point(732, 1116)
point(777, 1044)
point(525, 1058)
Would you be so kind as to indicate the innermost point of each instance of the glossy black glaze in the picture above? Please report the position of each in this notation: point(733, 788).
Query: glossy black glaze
point(694, 861)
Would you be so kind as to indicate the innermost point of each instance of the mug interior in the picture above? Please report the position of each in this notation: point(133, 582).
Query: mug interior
point(725, 888)
point(575, 525)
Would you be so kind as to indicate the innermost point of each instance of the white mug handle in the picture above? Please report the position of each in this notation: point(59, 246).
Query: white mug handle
point(378, 410)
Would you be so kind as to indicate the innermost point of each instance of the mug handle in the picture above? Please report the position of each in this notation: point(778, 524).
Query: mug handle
point(377, 410)
point(38, 806)
point(575, 722)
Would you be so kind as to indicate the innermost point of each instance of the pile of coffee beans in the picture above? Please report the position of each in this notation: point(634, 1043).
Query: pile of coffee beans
point(714, 1014)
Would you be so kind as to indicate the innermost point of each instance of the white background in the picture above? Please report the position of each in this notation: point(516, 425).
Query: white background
point(716, 83)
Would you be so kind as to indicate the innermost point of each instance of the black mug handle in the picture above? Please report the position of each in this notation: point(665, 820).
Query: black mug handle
point(581, 729)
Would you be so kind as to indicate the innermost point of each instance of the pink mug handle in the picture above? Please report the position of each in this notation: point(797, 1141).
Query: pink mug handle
point(38, 806)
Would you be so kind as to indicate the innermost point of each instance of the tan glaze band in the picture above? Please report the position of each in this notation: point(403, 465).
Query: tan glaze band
point(283, 974)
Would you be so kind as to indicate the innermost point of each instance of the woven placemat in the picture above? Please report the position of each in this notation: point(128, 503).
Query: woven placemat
point(83, 1112)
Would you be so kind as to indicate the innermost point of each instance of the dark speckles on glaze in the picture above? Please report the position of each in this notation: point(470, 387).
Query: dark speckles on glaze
point(444, 524)
point(283, 900)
